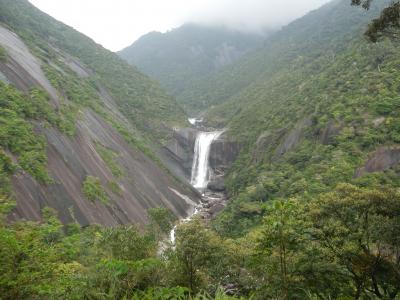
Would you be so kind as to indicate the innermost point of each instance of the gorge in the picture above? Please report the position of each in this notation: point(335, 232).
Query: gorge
point(284, 183)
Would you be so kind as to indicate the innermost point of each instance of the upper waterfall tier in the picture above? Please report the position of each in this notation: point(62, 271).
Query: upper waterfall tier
point(200, 167)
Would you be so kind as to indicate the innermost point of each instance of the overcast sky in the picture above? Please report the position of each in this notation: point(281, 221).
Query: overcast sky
point(118, 23)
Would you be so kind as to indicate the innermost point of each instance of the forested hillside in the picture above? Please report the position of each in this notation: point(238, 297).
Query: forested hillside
point(180, 56)
point(321, 33)
point(315, 107)
point(139, 97)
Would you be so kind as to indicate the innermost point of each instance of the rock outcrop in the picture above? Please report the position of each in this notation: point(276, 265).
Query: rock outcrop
point(293, 138)
point(382, 159)
point(178, 153)
point(223, 153)
point(328, 134)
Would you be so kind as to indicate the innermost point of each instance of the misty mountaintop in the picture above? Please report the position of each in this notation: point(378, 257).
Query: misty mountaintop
point(192, 51)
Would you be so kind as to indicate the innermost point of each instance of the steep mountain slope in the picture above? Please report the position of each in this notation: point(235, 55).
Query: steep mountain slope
point(317, 106)
point(133, 91)
point(178, 57)
point(308, 37)
point(75, 124)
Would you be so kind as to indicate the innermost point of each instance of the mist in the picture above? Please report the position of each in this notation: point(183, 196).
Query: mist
point(252, 15)
point(118, 23)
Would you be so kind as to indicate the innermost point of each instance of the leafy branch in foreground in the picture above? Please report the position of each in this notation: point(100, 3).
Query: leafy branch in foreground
point(387, 23)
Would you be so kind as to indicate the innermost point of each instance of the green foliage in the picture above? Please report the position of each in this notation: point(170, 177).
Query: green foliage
point(280, 244)
point(7, 168)
point(69, 115)
point(35, 163)
point(94, 190)
point(17, 135)
point(359, 228)
point(109, 157)
point(388, 22)
point(78, 90)
point(43, 261)
point(3, 54)
point(203, 260)
point(161, 220)
point(340, 245)
point(114, 187)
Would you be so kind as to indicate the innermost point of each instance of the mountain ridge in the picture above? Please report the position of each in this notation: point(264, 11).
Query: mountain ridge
point(177, 57)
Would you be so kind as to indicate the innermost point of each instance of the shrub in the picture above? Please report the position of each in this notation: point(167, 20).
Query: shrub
point(94, 191)
point(114, 187)
point(109, 157)
point(3, 54)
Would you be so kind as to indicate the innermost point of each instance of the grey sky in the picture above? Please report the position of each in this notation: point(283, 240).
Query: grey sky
point(117, 23)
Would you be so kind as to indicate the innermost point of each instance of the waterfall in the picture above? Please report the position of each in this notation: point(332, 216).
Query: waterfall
point(200, 167)
point(200, 170)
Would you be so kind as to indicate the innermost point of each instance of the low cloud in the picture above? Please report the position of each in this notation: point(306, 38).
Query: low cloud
point(252, 15)
point(117, 23)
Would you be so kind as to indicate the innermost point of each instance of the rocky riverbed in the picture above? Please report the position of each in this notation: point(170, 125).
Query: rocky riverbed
point(211, 204)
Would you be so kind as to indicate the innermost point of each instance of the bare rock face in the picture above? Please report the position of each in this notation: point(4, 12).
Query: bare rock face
point(223, 153)
point(266, 143)
point(293, 138)
point(329, 132)
point(382, 159)
point(142, 185)
point(23, 69)
point(70, 160)
point(178, 153)
point(272, 145)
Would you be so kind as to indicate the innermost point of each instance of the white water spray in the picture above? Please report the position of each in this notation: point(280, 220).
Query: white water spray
point(200, 168)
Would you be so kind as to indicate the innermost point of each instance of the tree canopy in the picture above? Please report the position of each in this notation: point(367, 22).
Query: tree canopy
point(386, 24)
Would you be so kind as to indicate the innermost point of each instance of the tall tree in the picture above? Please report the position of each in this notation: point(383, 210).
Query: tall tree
point(388, 22)
point(280, 242)
point(359, 229)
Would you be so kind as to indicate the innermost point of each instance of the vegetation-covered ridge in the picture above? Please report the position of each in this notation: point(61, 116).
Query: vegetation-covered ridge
point(142, 100)
point(180, 56)
point(320, 33)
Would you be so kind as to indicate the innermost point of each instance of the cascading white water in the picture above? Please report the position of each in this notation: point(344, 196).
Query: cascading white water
point(200, 167)
point(200, 170)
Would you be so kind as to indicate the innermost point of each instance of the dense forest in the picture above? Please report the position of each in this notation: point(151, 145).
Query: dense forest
point(314, 210)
